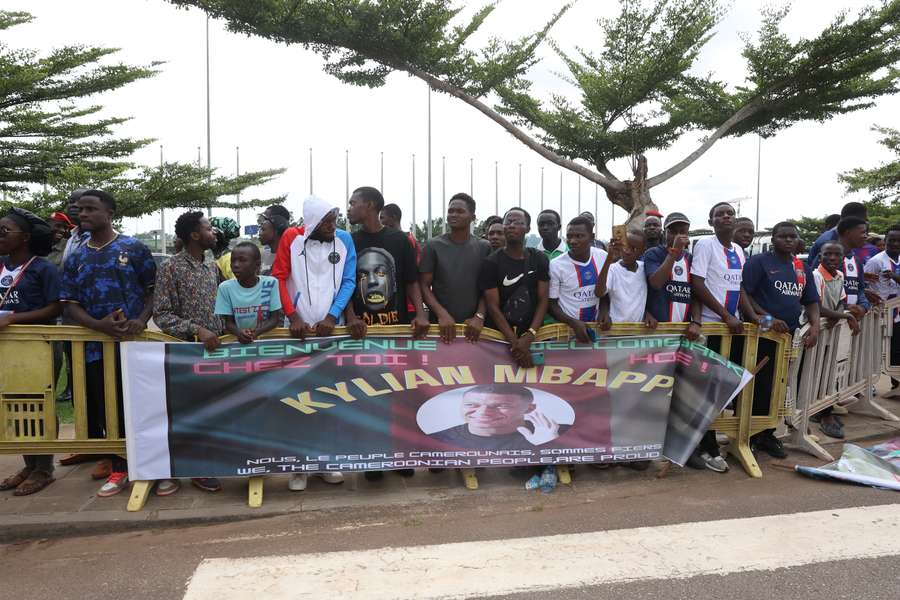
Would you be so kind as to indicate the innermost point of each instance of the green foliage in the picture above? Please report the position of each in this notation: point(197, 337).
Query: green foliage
point(146, 190)
point(437, 228)
point(882, 182)
point(42, 131)
point(636, 89)
point(50, 142)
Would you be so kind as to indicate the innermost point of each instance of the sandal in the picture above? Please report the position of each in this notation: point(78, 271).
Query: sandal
point(37, 481)
point(11, 483)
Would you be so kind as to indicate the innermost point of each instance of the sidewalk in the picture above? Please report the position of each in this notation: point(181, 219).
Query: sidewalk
point(70, 505)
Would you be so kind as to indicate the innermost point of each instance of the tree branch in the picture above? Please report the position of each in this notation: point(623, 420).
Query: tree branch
point(744, 112)
point(434, 82)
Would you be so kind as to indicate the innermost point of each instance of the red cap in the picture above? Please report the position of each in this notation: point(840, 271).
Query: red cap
point(653, 213)
point(60, 216)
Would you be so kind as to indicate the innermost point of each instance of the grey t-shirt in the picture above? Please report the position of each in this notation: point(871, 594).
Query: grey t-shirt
point(455, 267)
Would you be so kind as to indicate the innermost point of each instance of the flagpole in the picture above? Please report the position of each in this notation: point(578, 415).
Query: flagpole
point(208, 121)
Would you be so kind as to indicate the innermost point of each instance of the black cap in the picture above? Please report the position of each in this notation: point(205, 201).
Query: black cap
point(676, 217)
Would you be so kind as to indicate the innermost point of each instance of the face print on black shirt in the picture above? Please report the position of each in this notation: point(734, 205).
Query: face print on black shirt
point(376, 279)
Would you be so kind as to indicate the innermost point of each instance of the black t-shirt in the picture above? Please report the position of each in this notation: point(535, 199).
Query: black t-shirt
point(516, 281)
point(385, 264)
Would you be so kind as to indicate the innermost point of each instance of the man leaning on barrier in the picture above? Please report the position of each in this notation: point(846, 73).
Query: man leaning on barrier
point(107, 286)
point(884, 269)
point(184, 303)
point(446, 271)
point(780, 285)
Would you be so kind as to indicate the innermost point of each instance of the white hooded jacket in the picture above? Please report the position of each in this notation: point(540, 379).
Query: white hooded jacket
point(315, 278)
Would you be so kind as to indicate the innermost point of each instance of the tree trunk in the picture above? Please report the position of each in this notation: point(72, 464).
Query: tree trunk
point(635, 197)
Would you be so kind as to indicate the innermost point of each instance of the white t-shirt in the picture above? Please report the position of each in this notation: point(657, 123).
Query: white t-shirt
point(627, 293)
point(572, 283)
point(721, 269)
point(886, 288)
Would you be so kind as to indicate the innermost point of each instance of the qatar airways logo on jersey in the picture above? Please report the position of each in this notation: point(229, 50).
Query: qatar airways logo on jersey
point(586, 294)
point(734, 278)
point(789, 288)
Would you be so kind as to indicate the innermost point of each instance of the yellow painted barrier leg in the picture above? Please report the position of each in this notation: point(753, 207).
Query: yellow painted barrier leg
point(743, 453)
point(470, 479)
point(255, 498)
point(565, 477)
point(140, 491)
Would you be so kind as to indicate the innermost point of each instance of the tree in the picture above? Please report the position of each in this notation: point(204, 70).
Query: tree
point(146, 190)
point(882, 182)
point(636, 94)
point(49, 141)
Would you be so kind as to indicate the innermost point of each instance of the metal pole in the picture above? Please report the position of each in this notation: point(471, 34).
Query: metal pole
point(310, 173)
point(496, 189)
point(237, 173)
point(444, 190)
point(596, 204)
point(198, 157)
point(346, 173)
point(382, 173)
point(520, 184)
point(542, 188)
point(579, 194)
point(162, 211)
point(472, 177)
point(560, 192)
point(414, 194)
point(208, 127)
point(758, 169)
point(428, 233)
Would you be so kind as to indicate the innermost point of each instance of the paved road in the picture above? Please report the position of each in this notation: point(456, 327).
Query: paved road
point(613, 534)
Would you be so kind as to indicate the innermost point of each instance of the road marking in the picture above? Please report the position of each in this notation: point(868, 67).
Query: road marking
point(473, 569)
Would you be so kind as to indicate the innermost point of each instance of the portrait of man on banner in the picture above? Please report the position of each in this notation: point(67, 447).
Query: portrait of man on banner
point(497, 417)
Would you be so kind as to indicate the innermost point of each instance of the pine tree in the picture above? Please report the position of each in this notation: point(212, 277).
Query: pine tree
point(635, 91)
point(50, 141)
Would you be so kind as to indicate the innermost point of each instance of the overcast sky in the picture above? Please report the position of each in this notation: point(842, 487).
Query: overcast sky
point(275, 102)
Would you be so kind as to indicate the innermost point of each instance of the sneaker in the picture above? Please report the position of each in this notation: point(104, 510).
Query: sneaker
point(696, 461)
point(374, 475)
point(207, 484)
point(297, 482)
point(768, 443)
point(115, 484)
point(331, 477)
point(167, 487)
point(894, 392)
point(832, 427)
point(714, 463)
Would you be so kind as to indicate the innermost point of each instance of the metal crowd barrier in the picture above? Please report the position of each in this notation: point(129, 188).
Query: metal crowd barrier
point(841, 366)
point(891, 307)
point(28, 391)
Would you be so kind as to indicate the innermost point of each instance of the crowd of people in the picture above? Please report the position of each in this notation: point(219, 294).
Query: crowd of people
point(314, 277)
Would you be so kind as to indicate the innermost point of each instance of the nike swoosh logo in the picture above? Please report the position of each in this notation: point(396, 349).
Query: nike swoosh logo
point(508, 282)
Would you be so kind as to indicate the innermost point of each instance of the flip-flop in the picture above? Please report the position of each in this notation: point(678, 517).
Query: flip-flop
point(37, 481)
point(11, 483)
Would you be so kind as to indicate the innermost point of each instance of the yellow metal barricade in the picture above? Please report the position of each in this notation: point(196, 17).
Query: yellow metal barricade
point(28, 406)
point(740, 424)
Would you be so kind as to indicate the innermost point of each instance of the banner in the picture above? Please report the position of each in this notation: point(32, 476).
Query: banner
point(382, 403)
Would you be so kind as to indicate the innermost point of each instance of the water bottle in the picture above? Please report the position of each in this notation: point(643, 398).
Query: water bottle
point(549, 479)
point(533, 483)
point(765, 323)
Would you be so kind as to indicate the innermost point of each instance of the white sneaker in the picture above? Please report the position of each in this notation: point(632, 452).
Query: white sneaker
point(331, 477)
point(892, 393)
point(714, 463)
point(297, 482)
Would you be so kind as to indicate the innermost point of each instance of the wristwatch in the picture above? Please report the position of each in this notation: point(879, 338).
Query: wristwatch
point(480, 316)
point(533, 332)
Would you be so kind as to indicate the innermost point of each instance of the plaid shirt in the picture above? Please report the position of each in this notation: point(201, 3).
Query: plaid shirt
point(185, 297)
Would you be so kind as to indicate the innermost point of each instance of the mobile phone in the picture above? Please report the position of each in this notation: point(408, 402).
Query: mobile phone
point(537, 358)
point(592, 334)
point(618, 232)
